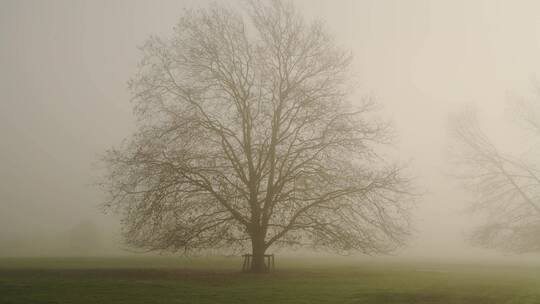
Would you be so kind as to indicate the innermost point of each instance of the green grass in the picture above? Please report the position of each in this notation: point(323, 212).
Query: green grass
point(217, 280)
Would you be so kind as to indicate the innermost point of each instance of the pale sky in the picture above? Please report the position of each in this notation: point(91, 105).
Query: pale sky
point(64, 66)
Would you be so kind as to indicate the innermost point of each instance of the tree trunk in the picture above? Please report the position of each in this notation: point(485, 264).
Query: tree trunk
point(257, 262)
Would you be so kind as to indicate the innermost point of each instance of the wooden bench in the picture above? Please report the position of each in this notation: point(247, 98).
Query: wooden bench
point(268, 262)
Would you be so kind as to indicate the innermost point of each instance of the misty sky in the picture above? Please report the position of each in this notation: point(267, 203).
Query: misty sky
point(64, 66)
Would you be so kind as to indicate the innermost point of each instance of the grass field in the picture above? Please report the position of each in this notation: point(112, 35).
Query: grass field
point(218, 280)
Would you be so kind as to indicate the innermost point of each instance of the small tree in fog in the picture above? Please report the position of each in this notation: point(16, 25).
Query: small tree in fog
point(246, 138)
point(507, 188)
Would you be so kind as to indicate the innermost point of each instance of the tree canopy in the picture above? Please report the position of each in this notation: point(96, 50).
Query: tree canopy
point(247, 135)
point(506, 187)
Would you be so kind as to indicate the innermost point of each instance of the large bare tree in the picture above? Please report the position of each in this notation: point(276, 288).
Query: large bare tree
point(506, 187)
point(247, 137)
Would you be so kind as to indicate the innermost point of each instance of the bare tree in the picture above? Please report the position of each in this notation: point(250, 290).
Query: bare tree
point(246, 137)
point(507, 188)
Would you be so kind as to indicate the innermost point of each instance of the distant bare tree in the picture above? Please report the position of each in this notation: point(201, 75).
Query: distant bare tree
point(507, 188)
point(246, 137)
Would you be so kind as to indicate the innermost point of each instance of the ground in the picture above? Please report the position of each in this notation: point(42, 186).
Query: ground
point(218, 280)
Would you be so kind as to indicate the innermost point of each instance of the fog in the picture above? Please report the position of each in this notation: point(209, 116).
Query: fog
point(64, 101)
